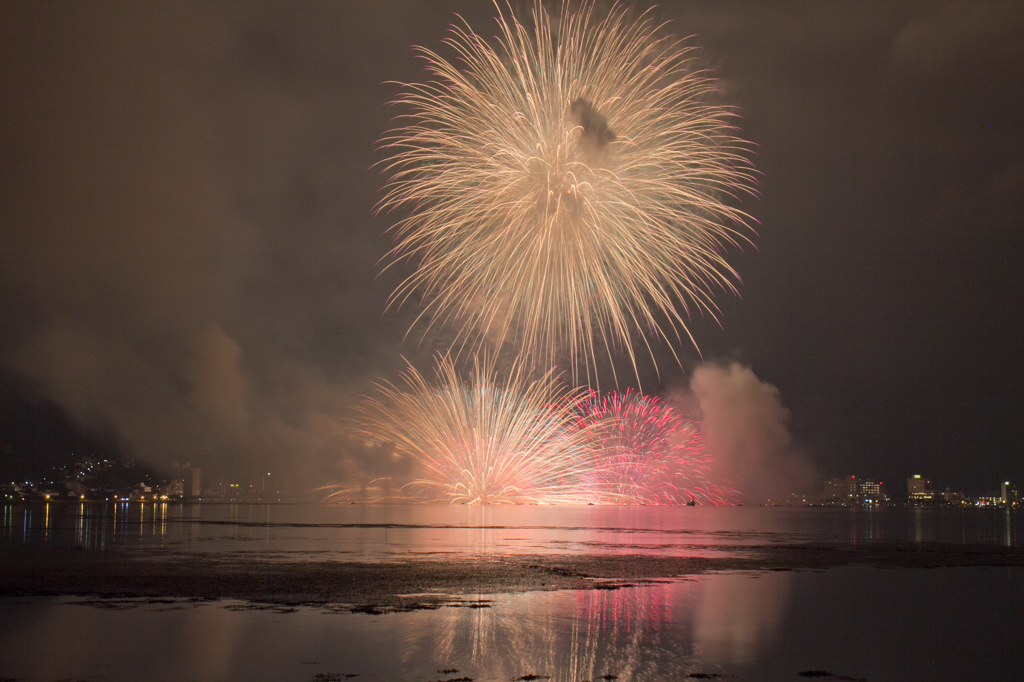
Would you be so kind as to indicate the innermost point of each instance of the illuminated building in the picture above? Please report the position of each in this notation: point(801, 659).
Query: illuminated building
point(851, 490)
point(1010, 495)
point(871, 492)
point(918, 485)
point(919, 490)
point(841, 490)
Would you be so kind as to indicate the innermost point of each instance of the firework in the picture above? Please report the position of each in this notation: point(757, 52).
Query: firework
point(375, 491)
point(644, 452)
point(480, 442)
point(566, 187)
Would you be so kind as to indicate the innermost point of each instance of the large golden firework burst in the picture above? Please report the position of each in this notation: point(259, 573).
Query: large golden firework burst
point(566, 187)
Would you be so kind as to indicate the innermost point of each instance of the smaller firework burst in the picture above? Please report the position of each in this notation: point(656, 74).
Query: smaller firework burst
point(481, 442)
point(644, 452)
point(376, 491)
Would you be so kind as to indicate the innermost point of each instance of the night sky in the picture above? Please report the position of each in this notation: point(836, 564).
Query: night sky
point(189, 253)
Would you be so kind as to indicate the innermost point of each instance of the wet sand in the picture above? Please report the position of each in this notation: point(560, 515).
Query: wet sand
point(126, 578)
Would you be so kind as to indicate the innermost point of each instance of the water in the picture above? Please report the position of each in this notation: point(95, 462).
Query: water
point(945, 624)
point(375, 533)
point(858, 622)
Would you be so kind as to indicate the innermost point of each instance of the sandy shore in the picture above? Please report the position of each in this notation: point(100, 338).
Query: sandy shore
point(419, 584)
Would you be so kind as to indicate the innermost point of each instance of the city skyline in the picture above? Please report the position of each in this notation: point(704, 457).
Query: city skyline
point(85, 478)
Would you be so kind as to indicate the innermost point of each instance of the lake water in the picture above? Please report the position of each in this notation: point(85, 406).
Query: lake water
point(375, 533)
point(854, 622)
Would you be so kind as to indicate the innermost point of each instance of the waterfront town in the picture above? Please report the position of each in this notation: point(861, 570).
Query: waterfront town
point(92, 479)
point(919, 491)
point(109, 479)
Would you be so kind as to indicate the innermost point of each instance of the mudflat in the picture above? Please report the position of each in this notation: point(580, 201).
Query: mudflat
point(411, 584)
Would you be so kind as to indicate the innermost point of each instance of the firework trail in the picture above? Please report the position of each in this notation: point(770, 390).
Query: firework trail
point(480, 442)
point(376, 491)
point(644, 452)
point(565, 187)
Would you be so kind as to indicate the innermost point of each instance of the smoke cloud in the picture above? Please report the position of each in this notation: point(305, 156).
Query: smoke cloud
point(746, 427)
point(190, 255)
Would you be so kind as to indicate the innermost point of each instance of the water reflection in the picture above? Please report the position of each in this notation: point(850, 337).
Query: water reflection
point(640, 633)
point(867, 524)
point(856, 621)
point(83, 524)
point(737, 619)
point(387, 533)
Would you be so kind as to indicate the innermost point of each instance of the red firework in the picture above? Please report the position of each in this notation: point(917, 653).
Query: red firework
point(644, 452)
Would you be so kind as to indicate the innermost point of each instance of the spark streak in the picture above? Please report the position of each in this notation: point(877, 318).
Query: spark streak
point(645, 452)
point(566, 187)
point(481, 442)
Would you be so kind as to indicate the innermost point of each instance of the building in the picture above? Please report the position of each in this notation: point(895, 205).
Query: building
point(188, 478)
point(841, 490)
point(194, 482)
point(1011, 494)
point(953, 497)
point(919, 490)
point(918, 486)
point(872, 492)
point(851, 490)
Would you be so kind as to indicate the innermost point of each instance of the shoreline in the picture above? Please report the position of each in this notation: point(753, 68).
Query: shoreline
point(415, 584)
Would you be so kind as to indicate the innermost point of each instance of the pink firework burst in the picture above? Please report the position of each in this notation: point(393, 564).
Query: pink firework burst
point(644, 452)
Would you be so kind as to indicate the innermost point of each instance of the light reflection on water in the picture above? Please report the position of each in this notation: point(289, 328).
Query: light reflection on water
point(855, 621)
point(659, 631)
point(645, 633)
point(376, 533)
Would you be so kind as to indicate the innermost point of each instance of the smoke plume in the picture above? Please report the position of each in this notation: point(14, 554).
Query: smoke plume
point(746, 428)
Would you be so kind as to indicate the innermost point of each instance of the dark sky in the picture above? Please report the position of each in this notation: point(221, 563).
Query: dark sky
point(188, 252)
